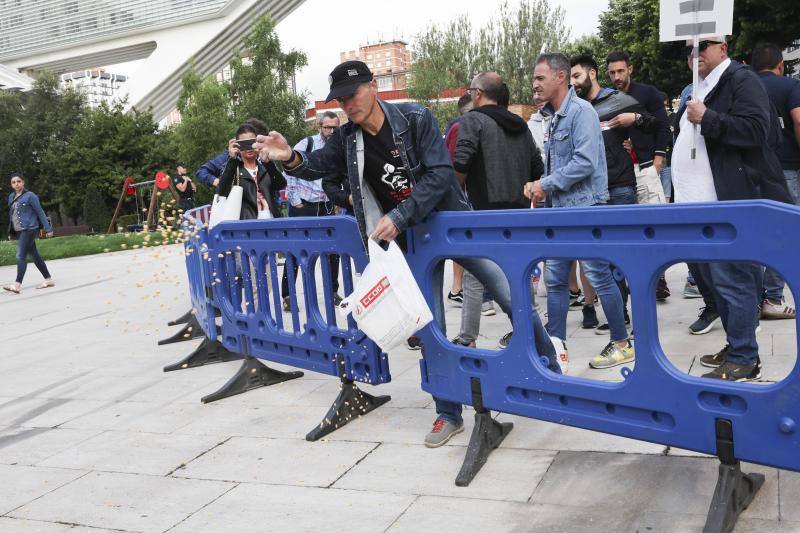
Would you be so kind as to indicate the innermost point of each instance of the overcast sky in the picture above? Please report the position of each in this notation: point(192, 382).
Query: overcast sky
point(322, 29)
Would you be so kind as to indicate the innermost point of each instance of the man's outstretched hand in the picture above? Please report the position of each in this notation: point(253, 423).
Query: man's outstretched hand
point(275, 146)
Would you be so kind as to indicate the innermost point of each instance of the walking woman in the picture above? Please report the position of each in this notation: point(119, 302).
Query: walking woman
point(26, 217)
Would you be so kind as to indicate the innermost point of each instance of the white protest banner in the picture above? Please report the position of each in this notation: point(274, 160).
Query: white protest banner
point(694, 19)
point(690, 19)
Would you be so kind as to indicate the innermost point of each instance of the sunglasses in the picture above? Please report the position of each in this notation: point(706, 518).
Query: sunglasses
point(701, 46)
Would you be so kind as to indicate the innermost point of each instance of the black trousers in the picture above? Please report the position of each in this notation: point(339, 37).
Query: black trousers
point(310, 209)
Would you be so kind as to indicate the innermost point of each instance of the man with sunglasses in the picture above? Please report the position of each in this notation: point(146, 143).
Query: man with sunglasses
point(733, 161)
point(399, 171)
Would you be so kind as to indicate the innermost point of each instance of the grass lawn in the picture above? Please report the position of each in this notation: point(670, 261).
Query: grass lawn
point(77, 245)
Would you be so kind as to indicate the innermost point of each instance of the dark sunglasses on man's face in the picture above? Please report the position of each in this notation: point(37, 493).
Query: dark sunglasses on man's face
point(701, 46)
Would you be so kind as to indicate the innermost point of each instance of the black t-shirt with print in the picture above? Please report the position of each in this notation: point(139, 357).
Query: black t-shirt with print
point(383, 169)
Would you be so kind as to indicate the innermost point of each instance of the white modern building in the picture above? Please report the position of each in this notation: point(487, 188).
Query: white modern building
point(65, 36)
point(98, 85)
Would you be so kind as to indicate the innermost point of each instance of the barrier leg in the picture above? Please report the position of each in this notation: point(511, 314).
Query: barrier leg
point(253, 374)
point(486, 436)
point(191, 330)
point(208, 352)
point(735, 490)
point(350, 404)
point(183, 319)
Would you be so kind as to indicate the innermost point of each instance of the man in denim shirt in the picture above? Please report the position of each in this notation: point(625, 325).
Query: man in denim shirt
point(575, 176)
point(399, 172)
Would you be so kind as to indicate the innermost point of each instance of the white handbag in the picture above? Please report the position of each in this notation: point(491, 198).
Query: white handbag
point(232, 210)
point(217, 207)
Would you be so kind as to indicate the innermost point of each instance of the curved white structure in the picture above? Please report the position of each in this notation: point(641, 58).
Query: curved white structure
point(170, 35)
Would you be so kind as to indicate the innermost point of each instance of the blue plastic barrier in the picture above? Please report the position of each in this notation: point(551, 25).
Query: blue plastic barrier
point(246, 287)
point(656, 403)
point(200, 321)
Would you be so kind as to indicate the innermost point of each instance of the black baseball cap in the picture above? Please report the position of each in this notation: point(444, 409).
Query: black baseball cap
point(345, 79)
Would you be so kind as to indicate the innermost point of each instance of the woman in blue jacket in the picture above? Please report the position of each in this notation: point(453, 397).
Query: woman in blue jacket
point(26, 217)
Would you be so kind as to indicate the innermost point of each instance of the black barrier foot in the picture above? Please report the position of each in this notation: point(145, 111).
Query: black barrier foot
point(183, 318)
point(191, 330)
point(735, 490)
point(486, 436)
point(208, 352)
point(253, 374)
point(350, 404)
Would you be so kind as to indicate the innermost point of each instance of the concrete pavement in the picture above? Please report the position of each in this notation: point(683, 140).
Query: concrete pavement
point(95, 437)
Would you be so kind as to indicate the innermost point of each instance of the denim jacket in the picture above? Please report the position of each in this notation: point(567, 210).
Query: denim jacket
point(424, 155)
point(575, 170)
point(31, 214)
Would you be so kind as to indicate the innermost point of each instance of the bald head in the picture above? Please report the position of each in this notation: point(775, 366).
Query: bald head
point(490, 85)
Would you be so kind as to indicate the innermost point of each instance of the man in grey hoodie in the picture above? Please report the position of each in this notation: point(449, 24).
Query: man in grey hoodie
point(495, 157)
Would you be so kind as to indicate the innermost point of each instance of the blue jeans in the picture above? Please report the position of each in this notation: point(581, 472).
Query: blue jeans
point(737, 290)
point(622, 195)
point(490, 275)
point(666, 181)
point(599, 275)
point(793, 183)
point(26, 245)
point(773, 282)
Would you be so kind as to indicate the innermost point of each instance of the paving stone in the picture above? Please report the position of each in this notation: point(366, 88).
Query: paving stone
point(434, 472)
point(399, 426)
point(297, 509)
point(29, 446)
point(145, 453)
point(42, 412)
point(790, 495)
point(255, 421)
point(434, 513)
point(16, 525)
point(649, 483)
point(22, 484)
point(278, 461)
point(124, 501)
point(139, 416)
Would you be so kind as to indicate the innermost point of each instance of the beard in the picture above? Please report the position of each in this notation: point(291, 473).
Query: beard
point(583, 89)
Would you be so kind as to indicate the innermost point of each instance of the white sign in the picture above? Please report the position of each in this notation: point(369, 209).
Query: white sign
point(686, 19)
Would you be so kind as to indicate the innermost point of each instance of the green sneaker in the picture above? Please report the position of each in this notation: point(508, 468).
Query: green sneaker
point(613, 355)
point(443, 430)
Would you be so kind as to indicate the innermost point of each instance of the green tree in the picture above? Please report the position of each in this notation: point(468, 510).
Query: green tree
point(206, 119)
point(632, 25)
point(96, 213)
point(262, 82)
point(108, 144)
point(448, 57)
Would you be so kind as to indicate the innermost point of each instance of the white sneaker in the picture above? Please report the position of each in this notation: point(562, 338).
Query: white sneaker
point(487, 308)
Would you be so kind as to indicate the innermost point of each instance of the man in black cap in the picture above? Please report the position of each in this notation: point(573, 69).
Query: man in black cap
point(399, 171)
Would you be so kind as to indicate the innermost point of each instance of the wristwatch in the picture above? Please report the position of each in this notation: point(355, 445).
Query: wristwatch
point(638, 120)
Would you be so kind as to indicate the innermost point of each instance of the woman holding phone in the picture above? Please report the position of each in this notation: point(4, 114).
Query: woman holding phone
point(259, 180)
point(26, 217)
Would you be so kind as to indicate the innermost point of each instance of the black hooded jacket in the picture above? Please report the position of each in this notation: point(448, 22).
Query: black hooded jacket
point(497, 153)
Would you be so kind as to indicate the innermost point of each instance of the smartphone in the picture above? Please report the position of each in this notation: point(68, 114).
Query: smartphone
point(246, 144)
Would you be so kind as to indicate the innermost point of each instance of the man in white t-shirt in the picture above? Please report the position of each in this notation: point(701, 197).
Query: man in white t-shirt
point(733, 161)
